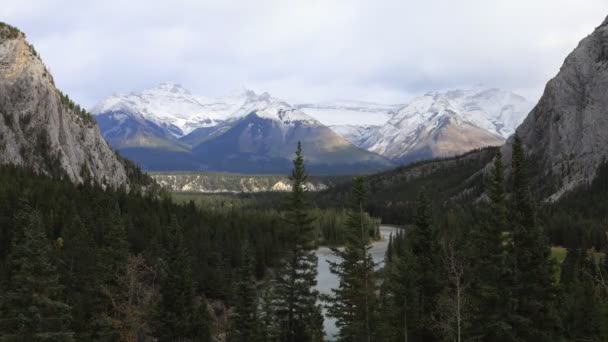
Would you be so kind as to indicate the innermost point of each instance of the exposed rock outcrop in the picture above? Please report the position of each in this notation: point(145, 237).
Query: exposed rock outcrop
point(236, 183)
point(566, 134)
point(43, 129)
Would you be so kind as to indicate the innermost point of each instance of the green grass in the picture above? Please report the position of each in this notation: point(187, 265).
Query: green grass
point(558, 254)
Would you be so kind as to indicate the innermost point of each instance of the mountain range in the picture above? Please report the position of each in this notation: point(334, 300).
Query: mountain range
point(167, 128)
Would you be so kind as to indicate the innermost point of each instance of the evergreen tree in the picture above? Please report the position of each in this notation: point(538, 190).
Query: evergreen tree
point(177, 317)
point(533, 289)
point(110, 267)
point(354, 302)
point(79, 274)
point(583, 307)
point(489, 271)
point(268, 330)
point(398, 292)
point(297, 312)
point(244, 320)
point(30, 306)
point(414, 279)
point(426, 252)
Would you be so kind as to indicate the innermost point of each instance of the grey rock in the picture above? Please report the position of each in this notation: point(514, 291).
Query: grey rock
point(37, 128)
point(566, 133)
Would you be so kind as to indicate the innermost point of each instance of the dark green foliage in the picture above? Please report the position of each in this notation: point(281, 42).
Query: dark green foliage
point(392, 194)
point(178, 317)
point(584, 303)
point(71, 105)
point(137, 178)
point(79, 269)
point(414, 279)
point(31, 308)
point(295, 303)
point(532, 279)
point(580, 214)
point(8, 32)
point(489, 272)
point(398, 294)
point(244, 324)
point(110, 268)
point(354, 303)
point(427, 253)
point(89, 223)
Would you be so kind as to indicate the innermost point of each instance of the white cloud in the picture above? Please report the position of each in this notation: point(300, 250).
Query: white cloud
point(304, 50)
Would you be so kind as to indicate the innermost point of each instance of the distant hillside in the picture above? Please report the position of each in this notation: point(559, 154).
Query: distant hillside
point(392, 193)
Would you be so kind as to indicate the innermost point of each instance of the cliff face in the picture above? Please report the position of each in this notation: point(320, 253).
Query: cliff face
point(566, 134)
point(41, 128)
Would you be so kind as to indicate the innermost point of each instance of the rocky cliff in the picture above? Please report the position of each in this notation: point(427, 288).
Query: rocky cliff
point(566, 134)
point(43, 129)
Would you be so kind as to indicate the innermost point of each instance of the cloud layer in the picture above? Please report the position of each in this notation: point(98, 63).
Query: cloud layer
point(385, 51)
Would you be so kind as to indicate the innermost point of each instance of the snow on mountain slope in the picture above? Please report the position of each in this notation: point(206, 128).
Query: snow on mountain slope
point(342, 113)
point(168, 105)
point(356, 134)
point(177, 110)
point(416, 131)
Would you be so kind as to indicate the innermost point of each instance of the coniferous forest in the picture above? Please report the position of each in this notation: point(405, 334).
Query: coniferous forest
point(84, 264)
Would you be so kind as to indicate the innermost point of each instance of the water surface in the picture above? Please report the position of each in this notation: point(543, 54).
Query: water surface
point(326, 280)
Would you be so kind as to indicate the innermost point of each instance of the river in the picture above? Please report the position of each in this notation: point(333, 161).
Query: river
point(326, 280)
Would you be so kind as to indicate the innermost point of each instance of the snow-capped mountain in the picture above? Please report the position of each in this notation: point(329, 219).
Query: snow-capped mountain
point(448, 123)
point(168, 105)
point(168, 128)
point(175, 109)
point(168, 113)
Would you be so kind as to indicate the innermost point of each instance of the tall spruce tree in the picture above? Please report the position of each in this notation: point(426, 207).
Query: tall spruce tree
point(30, 306)
point(244, 322)
point(354, 303)
point(426, 251)
point(533, 290)
point(489, 272)
point(297, 312)
point(177, 315)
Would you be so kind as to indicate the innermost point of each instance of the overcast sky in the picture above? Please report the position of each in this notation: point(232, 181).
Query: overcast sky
point(302, 51)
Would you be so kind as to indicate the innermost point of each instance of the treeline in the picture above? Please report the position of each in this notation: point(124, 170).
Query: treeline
point(329, 224)
point(392, 194)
